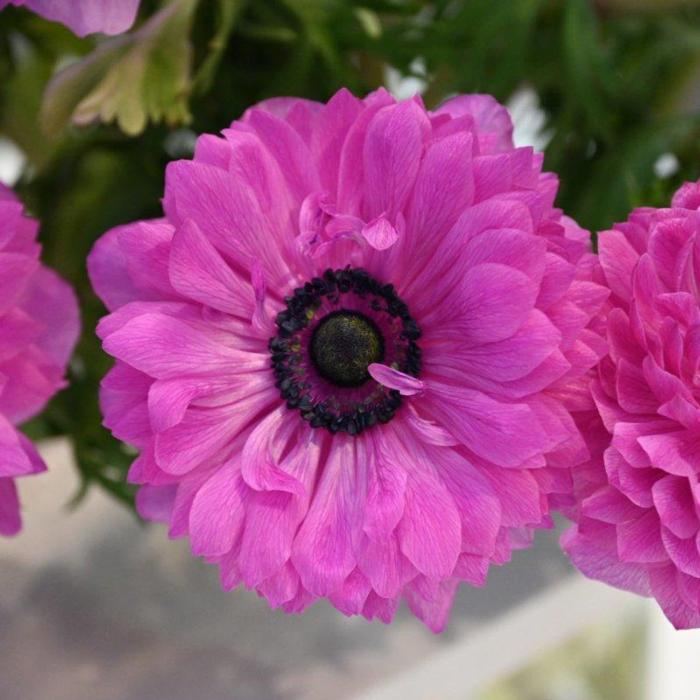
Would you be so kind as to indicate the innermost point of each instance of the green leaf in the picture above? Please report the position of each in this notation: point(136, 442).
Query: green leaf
point(69, 88)
point(133, 79)
point(227, 11)
point(586, 65)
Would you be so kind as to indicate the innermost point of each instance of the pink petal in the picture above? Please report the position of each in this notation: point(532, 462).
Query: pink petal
point(87, 16)
point(392, 154)
point(155, 503)
point(444, 189)
point(350, 598)
point(430, 531)
point(146, 343)
point(639, 540)
point(217, 512)
point(675, 504)
point(664, 584)
point(322, 551)
point(380, 233)
point(198, 272)
point(434, 612)
point(505, 434)
point(495, 127)
point(593, 552)
point(392, 378)
point(205, 432)
point(10, 521)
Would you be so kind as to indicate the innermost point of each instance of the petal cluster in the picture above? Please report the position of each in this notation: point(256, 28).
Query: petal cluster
point(440, 205)
point(84, 17)
point(38, 329)
point(637, 524)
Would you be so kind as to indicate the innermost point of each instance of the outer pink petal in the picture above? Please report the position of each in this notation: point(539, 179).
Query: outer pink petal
point(505, 434)
point(391, 158)
point(10, 521)
point(198, 272)
point(218, 512)
point(494, 124)
point(593, 552)
point(323, 553)
point(87, 16)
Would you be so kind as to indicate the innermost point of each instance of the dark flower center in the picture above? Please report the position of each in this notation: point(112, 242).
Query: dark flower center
point(333, 328)
point(343, 345)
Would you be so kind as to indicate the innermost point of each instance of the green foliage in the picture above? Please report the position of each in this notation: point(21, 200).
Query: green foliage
point(131, 79)
point(99, 118)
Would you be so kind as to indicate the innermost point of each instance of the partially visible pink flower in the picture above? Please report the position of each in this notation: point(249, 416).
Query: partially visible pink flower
point(637, 524)
point(38, 329)
point(84, 16)
point(349, 352)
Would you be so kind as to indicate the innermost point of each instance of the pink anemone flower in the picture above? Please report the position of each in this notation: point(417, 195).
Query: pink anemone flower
point(84, 17)
point(38, 329)
point(349, 352)
point(637, 522)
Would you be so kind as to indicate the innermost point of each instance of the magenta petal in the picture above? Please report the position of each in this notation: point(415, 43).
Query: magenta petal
point(493, 120)
point(478, 503)
point(14, 460)
point(198, 272)
point(156, 502)
point(350, 598)
point(384, 565)
point(392, 153)
point(506, 434)
point(664, 584)
point(380, 233)
point(589, 553)
point(168, 400)
point(323, 553)
point(202, 434)
point(288, 150)
point(434, 612)
point(218, 512)
point(429, 532)
point(674, 500)
point(639, 540)
point(386, 489)
point(281, 587)
point(259, 466)
point(10, 521)
point(497, 301)
point(270, 525)
point(444, 188)
point(145, 343)
point(618, 258)
point(376, 607)
point(17, 270)
point(87, 16)
point(392, 378)
point(117, 278)
point(229, 213)
point(672, 452)
point(683, 552)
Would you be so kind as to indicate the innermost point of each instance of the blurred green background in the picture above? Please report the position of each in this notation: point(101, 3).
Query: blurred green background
point(617, 83)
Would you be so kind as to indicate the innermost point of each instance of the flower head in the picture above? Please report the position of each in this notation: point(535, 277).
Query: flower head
point(349, 350)
point(637, 524)
point(38, 328)
point(84, 16)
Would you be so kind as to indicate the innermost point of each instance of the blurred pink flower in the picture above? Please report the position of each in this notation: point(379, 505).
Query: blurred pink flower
point(637, 520)
point(84, 16)
point(348, 352)
point(38, 329)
